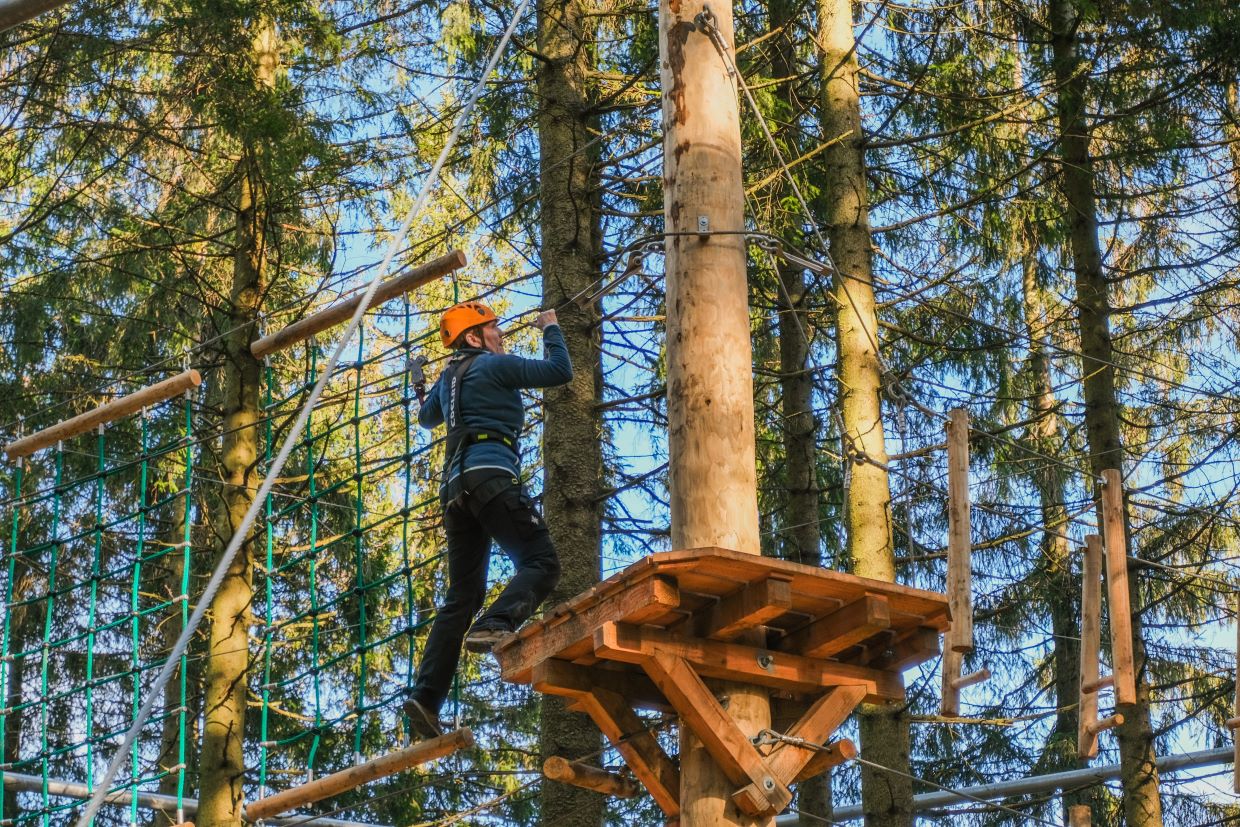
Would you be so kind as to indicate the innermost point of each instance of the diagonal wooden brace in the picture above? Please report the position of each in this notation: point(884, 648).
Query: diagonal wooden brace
point(628, 733)
point(762, 792)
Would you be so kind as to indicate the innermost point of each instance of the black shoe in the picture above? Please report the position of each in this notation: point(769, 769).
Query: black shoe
point(423, 724)
point(483, 640)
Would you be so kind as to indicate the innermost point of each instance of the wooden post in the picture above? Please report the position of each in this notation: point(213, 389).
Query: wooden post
point(1091, 636)
point(303, 329)
point(712, 470)
point(959, 545)
point(1235, 722)
point(1079, 816)
point(110, 412)
point(339, 782)
point(1118, 604)
point(589, 778)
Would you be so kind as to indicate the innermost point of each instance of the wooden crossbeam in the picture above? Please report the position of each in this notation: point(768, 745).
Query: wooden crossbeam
point(840, 630)
point(646, 599)
point(558, 677)
point(636, 744)
point(342, 311)
point(589, 778)
point(1118, 601)
point(750, 606)
point(109, 412)
point(352, 777)
point(746, 664)
point(762, 792)
point(918, 645)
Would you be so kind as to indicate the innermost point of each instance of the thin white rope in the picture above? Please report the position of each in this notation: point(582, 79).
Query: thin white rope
point(156, 692)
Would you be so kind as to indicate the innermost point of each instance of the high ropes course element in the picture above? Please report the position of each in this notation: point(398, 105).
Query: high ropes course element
point(102, 603)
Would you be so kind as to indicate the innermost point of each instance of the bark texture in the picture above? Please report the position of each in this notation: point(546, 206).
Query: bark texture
point(1142, 807)
point(801, 539)
point(572, 423)
point(222, 757)
point(844, 209)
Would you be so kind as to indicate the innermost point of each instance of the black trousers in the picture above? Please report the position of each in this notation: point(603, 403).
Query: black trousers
point(499, 510)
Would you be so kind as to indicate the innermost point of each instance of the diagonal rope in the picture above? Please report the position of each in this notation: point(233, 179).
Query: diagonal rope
point(294, 433)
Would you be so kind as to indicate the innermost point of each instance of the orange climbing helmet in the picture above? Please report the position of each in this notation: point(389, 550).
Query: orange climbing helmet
point(461, 317)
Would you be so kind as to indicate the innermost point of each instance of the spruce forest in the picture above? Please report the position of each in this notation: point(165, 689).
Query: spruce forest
point(990, 255)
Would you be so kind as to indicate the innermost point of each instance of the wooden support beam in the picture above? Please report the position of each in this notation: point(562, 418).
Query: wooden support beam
point(748, 664)
point(1118, 604)
point(1079, 816)
point(1091, 640)
point(333, 315)
point(762, 792)
point(919, 645)
point(109, 412)
point(748, 607)
point(816, 726)
point(646, 599)
point(840, 630)
point(559, 677)
point(1235, 730)
point(353, 777)
point(959, 541)
point(589, 778)
point(632, 738)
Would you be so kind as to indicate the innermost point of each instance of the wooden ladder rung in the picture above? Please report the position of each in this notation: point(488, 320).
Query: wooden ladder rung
point(364, 773)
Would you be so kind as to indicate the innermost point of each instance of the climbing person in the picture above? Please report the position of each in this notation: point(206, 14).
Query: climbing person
point(478, 397)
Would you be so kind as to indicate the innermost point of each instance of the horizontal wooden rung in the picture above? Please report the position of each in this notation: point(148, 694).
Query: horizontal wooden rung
point(353, 777)
point(590, 778)
point(1104, 682)
point(1103, 724)
point(980, 676)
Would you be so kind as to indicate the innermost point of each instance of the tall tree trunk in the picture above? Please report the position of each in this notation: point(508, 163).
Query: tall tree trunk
point(801, 539)
point(1054, 569)
point(886, 796)
point(572, 425)
point(223, 762)
point(1142, 807)
point(19, 636)
point(1231, 130)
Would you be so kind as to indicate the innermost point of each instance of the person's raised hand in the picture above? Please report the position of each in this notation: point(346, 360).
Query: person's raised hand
point(546, 317)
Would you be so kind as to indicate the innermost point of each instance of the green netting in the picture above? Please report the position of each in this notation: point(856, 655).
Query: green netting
point(109, 542)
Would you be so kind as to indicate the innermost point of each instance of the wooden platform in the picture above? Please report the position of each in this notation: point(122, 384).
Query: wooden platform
point(652, 635)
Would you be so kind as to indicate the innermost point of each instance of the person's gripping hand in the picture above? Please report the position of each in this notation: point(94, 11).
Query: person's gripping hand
point(545, 318)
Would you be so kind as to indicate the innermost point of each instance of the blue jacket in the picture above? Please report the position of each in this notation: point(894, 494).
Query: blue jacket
point(491, 400)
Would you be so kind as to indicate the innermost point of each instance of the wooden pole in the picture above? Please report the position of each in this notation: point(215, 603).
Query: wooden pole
point(712, 467)
point(110, 412)
point(1235, 730)
point(589, 778)
point(959, 545)
point(1118, 604)
point(339, 782)
point(1091, 636)
point(303, 329)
